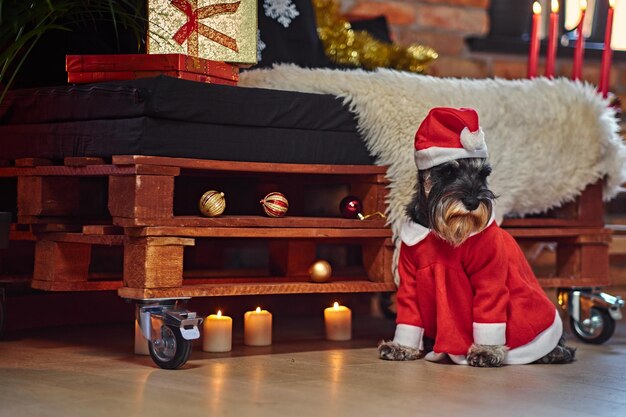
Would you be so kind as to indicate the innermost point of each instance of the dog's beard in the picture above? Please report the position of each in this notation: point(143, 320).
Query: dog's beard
point(454, 223)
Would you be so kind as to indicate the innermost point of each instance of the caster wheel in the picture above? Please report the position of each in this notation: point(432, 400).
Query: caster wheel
point(172, 350)
point(597, 330)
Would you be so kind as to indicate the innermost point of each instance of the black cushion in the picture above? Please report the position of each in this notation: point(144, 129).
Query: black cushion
point(165, 116)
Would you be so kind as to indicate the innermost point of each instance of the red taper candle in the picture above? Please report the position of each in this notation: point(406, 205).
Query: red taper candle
point(579, 51)
point(605, 72)
point(553, 33)
point(533, 52)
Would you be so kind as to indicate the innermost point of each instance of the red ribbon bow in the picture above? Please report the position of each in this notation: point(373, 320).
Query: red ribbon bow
point(193, 25)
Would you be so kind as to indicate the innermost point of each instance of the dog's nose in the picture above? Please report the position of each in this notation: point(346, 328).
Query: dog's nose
point(470, 203)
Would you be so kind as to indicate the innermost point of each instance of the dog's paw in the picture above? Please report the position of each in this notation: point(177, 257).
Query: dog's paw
point(391, 351)
point(486, 356)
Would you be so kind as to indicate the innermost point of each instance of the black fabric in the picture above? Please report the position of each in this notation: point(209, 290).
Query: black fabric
point(171, 98)
point(377, 27)
point(163, 137)
point(297, 43)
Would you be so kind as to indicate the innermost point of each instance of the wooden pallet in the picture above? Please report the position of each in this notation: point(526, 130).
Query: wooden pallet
point(135, 202)
point(141, 193)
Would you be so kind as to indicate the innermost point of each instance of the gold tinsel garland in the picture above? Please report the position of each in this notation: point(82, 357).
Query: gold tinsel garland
point(343, 45)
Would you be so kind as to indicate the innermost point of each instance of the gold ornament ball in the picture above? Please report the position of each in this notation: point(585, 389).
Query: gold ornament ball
point(320, 271)
point(212, 203)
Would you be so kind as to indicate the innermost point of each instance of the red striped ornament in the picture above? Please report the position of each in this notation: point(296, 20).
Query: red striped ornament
point(275, 204)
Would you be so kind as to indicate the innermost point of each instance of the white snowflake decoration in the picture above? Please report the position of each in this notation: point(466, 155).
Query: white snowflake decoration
point(260, 46)
point(284, 11)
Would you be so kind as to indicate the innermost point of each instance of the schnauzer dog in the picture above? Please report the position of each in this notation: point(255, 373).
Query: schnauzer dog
point(465, 285)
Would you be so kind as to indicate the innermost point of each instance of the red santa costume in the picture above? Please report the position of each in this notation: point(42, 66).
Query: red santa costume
point(481, 292)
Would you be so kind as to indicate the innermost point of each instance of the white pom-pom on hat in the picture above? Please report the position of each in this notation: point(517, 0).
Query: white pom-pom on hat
point(473, 141)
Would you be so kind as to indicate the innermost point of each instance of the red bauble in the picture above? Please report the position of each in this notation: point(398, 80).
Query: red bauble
point(351, 207)
point(275, 204)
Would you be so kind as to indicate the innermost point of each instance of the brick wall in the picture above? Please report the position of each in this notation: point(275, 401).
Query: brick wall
point(444, 25)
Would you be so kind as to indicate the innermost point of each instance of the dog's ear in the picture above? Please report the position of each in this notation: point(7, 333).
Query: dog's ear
point(419, 203)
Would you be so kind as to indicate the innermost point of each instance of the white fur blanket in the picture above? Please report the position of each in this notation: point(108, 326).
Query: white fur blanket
point(547, 139)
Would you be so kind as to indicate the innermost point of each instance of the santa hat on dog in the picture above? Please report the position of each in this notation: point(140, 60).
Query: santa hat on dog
point(447, 134)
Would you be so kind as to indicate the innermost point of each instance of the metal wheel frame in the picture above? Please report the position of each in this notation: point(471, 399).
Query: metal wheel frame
point(169, 330)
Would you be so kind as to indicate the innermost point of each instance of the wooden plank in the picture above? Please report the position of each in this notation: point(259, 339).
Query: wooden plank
point(21, 235)
point(61, 261)
point(261, 167)
point(49, 196)
point(108, 240)
point(543, 222)
point(583, 260)
point(100, 229)
point(554, 282)
point(154, 262)
point(618, 246)
point(377, 260)
point(32, 162)
point(76, 220)
point(81, 161)
point(141, 196)
point(265, 233)
point(55, 227)
point(253, 221)
point(557, 232)
point(210, 290)
point(291, 257)
point(89, 170)
point(10, 172)
point(76, 286)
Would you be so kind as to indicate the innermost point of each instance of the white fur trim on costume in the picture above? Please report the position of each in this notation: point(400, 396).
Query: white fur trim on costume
point(473, 141)
point(489, 333)
point(539, 347)
point(412, 233)
point(411, 336)
point(435, 155)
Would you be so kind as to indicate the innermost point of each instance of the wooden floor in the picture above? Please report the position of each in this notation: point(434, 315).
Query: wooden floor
point(91, 371)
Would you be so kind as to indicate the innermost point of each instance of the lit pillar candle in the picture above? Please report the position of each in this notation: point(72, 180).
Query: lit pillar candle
point(553, 34)
point(141, 343)
point(533, 52)
point(580, 44)
point(338, 321)
point(217, 333)
point(605, 72)
point(257, 328)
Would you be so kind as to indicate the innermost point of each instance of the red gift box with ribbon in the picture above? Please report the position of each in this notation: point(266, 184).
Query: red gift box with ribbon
point(99, 68)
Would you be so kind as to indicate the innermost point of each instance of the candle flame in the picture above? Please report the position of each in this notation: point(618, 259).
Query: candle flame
point(258, 309)
point(219, 313)
point(583, 5)
point(555, 6)
point(536, 8)
point(336, 305)
point(612, 4)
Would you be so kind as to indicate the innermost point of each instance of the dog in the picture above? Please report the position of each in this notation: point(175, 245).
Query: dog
point(465, 284)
